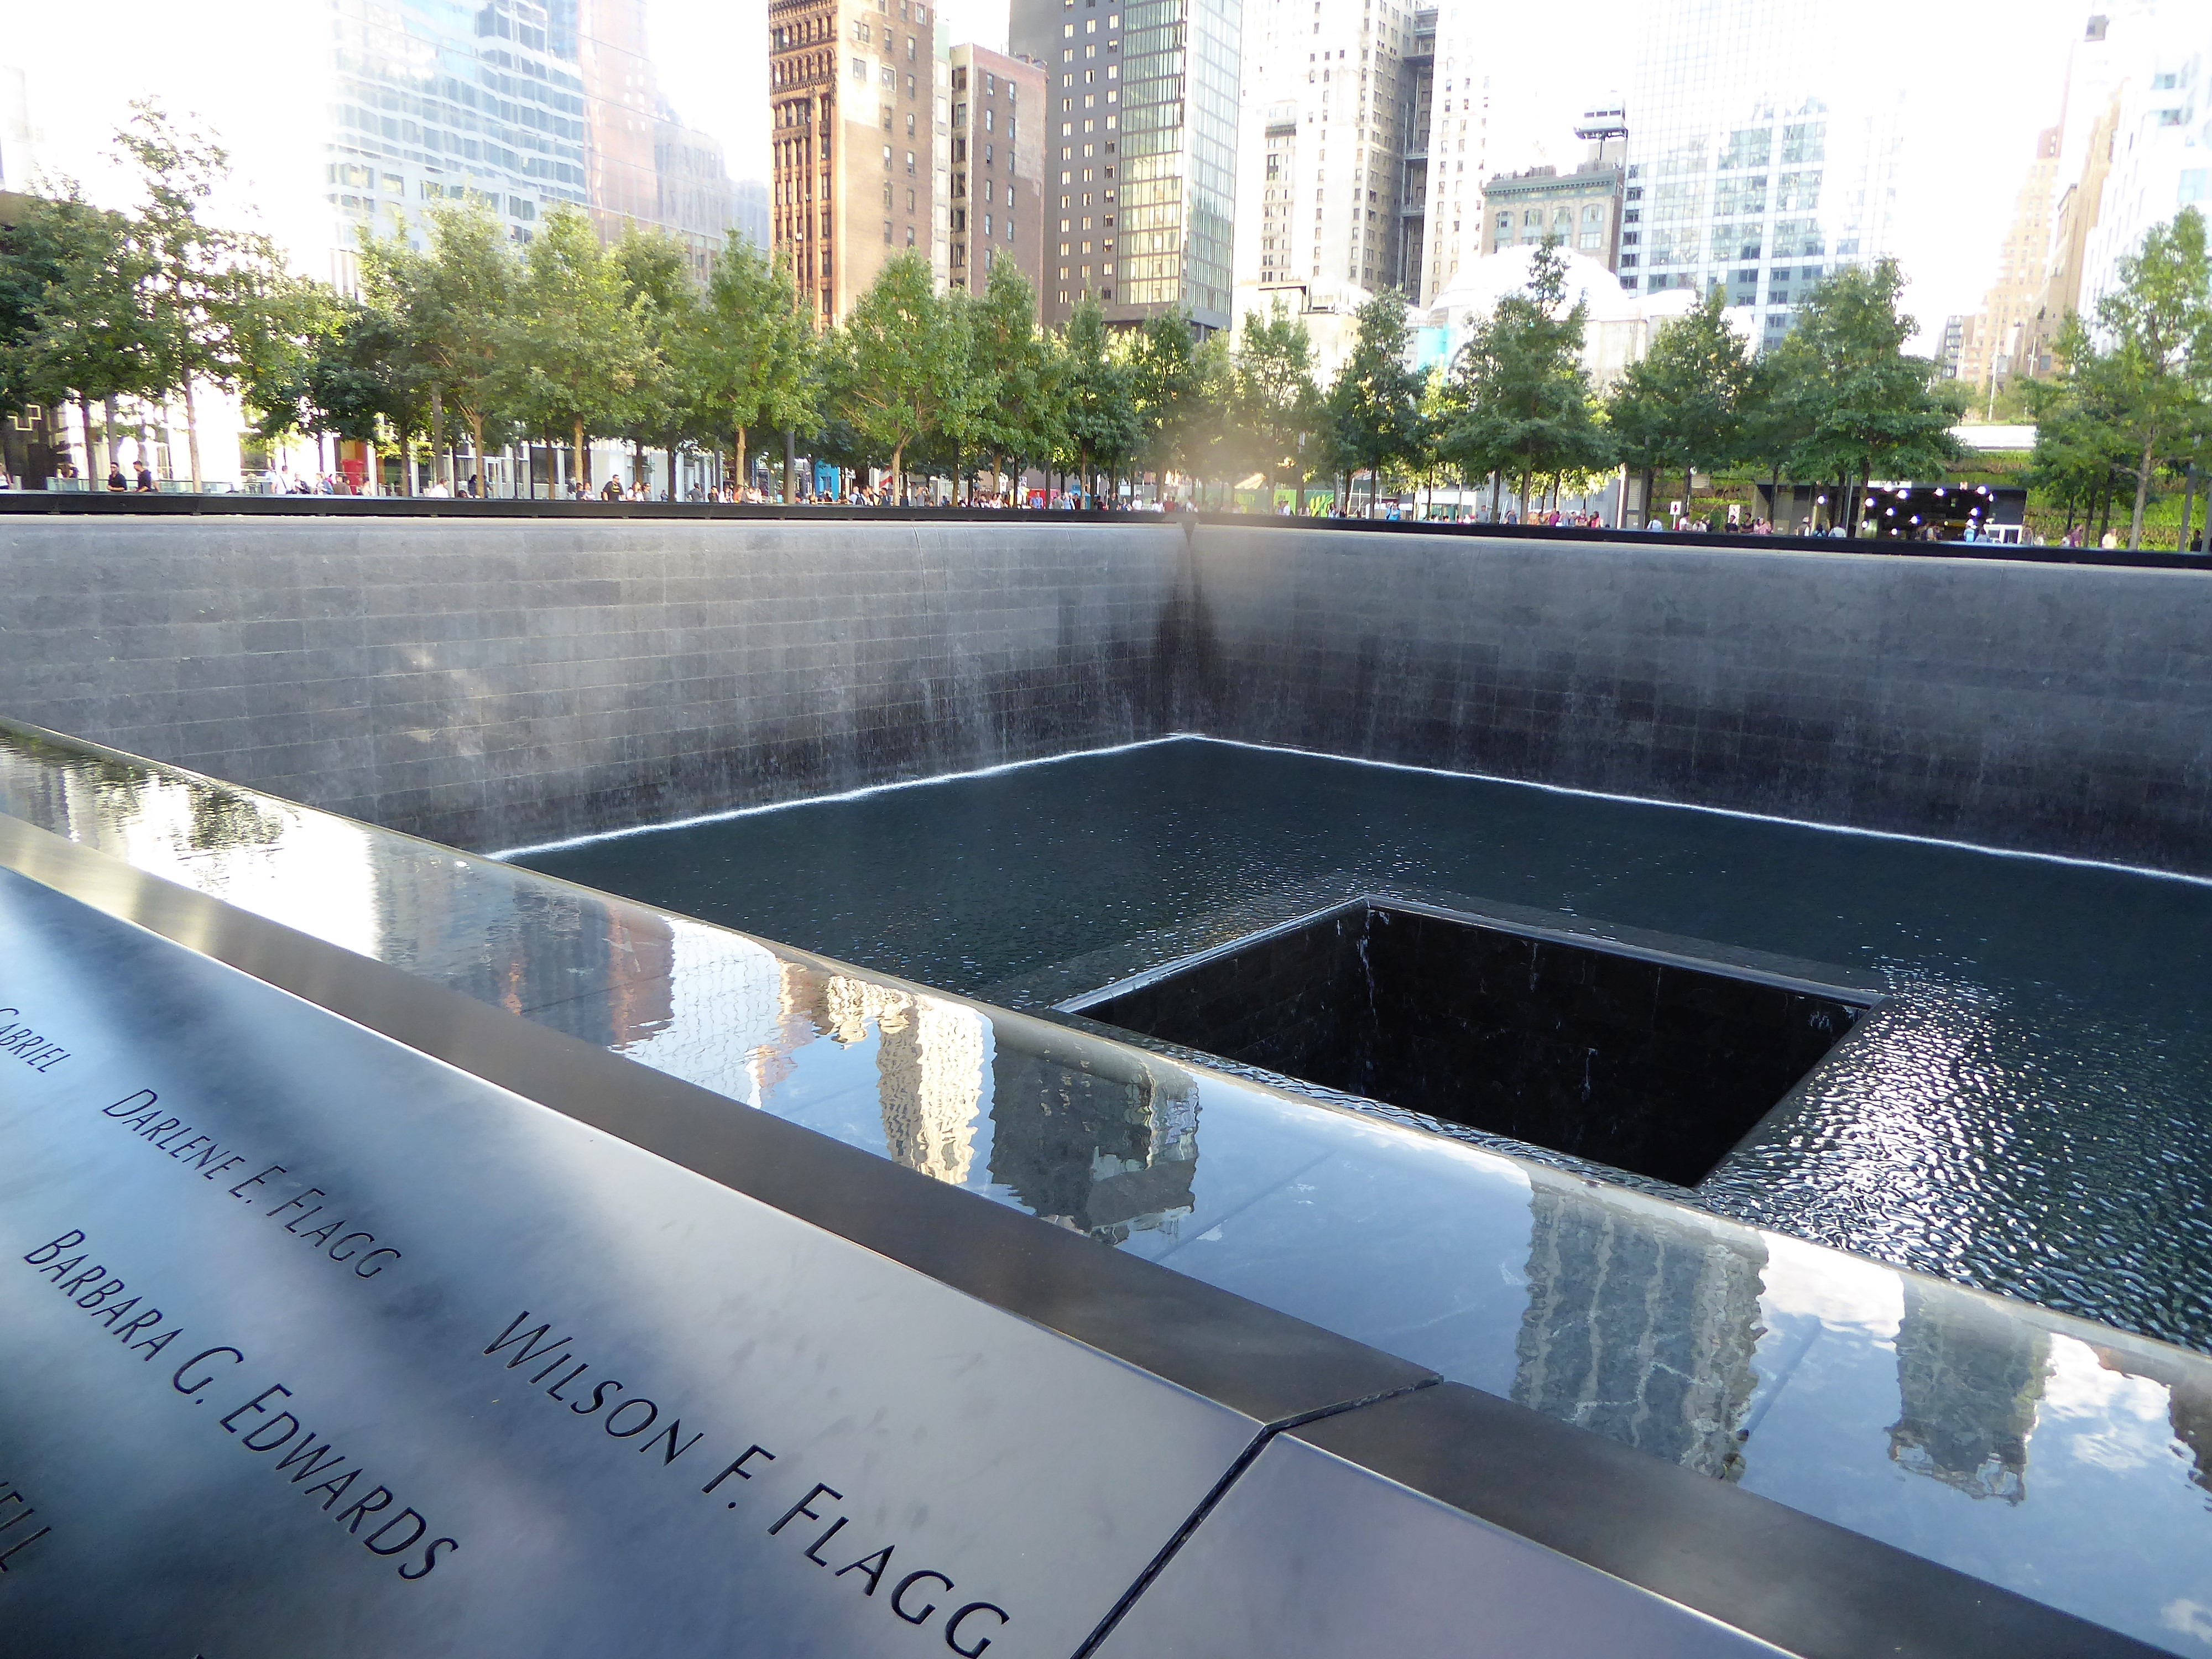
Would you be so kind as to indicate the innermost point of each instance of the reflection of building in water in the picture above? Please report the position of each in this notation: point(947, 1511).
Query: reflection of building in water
point(1642, 1333)
point(931, 1065)
point(1968, 1378)
point(930, 1059)
point(1104, 1155)
point(2189, 1411)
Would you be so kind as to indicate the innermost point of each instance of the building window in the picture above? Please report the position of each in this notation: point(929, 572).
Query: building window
point(887, 233)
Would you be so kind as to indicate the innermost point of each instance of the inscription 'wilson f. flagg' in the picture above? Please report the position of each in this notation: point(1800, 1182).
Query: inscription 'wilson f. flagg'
point(914, 1597)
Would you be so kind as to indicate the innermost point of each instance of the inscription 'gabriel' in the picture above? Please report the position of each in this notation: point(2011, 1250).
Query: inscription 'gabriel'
point(968, 1629)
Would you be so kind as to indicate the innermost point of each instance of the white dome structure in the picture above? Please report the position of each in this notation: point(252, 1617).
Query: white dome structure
point(1621, 323)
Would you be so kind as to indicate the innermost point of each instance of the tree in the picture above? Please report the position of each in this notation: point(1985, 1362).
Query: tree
point(1013, 413)
point(1179, 386)
point(348, 374)
point(1099, 407)
point(455, 306)
point(1374, 405)
point(1277, 406)
point(1684, 405)
point(1866, 406)
point(579, 349)
point(1520, 397)
point(900, 362)
point(2082, 449)
point(748, 358)
point(2147, 358)
point(655, 271)
point(215, 295)
point(74, 325)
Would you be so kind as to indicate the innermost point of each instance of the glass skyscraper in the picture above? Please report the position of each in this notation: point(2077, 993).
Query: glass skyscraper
point(518, 105)
point(1763, 148)
point(1141, 152)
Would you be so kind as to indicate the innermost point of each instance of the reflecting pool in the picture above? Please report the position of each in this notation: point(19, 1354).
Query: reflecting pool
point(2031, 1116)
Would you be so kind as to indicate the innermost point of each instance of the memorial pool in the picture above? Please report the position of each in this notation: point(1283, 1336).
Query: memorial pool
point(2029, 1116)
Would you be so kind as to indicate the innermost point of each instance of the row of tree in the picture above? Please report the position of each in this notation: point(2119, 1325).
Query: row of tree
point(2132, 402)
point(568, 339)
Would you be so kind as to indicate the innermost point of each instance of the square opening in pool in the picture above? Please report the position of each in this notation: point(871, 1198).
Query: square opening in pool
point(1655, 1064)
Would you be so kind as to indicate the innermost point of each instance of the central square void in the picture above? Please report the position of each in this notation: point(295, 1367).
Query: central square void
point(1655, 1064)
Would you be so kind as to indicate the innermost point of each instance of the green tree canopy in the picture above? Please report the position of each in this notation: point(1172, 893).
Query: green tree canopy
point(455, 306)
point(1099, 418)
point(2145, 362)
point(1374, 405)
point(1862, 406)
point(76, 324)
point(216, 295)
point(1014, 411)
point(1276, 405)
point(1685, 405)
point(1520, 399)
point(749, 360)
point(579, 349)
point(900, 362)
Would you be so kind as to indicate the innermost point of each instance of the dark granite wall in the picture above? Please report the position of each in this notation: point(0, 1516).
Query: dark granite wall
point(498, 683)
point(2053, 707)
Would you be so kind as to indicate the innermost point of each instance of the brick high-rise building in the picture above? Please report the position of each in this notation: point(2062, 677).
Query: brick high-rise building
point(853, 88)
point(998, 194)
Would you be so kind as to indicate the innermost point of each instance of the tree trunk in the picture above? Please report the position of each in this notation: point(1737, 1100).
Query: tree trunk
point(898, 476)
point(477, 449)
point(745, 478)
point(438, 463)
point(583, 473)
point(2188, 508)
point(193, 433)
point(1497, 489)
point(790, 463)
point(93, 471)
point(2142, 495)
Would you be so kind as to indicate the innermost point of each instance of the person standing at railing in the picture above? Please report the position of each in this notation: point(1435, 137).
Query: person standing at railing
point(145, 478)
point(116, 481)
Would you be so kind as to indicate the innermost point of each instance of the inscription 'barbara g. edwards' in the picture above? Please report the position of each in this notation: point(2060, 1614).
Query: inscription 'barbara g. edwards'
point(141, 1113)
point(914, 1596)
point(101, 1296)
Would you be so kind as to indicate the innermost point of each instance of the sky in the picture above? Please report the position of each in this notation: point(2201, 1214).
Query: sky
point(1984, 77)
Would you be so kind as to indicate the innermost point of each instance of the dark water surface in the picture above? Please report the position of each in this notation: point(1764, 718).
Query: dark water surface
point(2030, 1116)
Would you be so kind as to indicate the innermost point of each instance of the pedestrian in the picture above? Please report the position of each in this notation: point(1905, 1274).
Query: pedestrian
point(145, 478)
point(116, 481)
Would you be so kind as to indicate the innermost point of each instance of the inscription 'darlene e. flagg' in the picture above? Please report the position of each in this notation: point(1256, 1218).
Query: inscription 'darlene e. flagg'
point(916, 1595)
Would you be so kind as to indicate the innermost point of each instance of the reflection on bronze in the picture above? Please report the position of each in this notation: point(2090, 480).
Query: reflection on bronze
point(1968, 1380)
point(1643, 1333)
point(1107, 1156)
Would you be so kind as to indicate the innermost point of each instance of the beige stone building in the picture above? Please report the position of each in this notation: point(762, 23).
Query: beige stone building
point(1988, 350)
point(853, 90)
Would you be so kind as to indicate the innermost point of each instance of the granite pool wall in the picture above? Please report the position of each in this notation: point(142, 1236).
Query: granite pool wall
point(2044, 706)
point(489, 683)
point(493, 682)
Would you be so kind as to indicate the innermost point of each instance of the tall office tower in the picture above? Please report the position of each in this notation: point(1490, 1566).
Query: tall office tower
point(2161, 139)
point(1989, 346)
point(2088, 120)
point(1457, 150)
point(1337, 75)
point(518, 105)
point(852, 94)
point(1764, 154)
point(1140, 152)
point(646, 167)
point(1417, 77)
point(997, 208)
